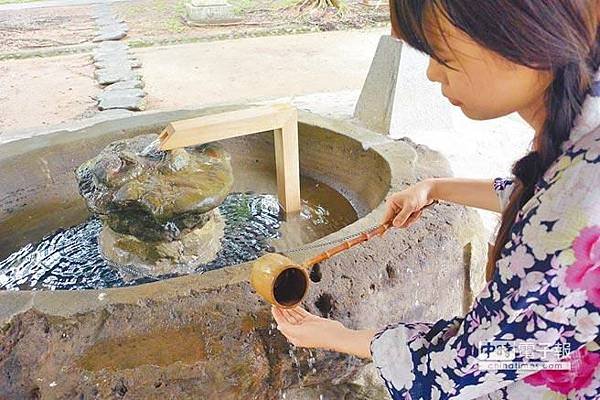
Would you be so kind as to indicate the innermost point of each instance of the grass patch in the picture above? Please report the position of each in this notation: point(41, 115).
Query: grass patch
point(171, 13)
point(176, 13)
point(174, 24)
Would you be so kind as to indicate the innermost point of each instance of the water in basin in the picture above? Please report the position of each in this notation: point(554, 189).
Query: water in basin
point(70, 259)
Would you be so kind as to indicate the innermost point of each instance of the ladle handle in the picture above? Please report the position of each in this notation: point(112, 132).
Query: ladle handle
point(380, 230)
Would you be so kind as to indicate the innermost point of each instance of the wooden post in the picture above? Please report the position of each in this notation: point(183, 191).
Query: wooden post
point(287, 165)
point(281, 118)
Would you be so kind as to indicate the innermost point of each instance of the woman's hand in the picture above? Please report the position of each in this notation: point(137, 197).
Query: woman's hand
point(304, 329)
point(405, 207)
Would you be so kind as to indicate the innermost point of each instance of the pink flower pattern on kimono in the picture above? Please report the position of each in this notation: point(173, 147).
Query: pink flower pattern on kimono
point(585, 272)
point(583, 366)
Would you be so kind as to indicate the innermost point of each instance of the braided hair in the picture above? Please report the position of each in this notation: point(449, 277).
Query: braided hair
point(564, 101)
point(560, 36)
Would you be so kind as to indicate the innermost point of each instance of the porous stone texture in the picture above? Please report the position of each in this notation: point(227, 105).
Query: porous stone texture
point(210, 336)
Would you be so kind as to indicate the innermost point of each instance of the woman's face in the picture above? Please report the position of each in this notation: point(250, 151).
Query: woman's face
point(482, 83)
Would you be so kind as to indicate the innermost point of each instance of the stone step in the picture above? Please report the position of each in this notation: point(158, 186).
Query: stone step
point(131, 84)
point(129, 99)
point(106, 76)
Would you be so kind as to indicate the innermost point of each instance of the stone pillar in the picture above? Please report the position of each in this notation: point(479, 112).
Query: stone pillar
point(376, 102)
point(200, 12)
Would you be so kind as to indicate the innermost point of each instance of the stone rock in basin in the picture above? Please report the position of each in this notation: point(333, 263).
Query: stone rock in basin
point(152, 195)
point(182, 256)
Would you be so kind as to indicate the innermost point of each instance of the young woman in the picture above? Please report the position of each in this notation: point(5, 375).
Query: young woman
point(540, 59)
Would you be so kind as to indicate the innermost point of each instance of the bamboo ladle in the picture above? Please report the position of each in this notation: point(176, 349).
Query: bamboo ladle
point(283, 283)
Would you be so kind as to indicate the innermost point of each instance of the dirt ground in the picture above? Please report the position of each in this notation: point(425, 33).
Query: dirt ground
point(236, 70)
point(45, 27)
point(163, 21)
point(36, 92)
point(156, 20)
point(50, 90)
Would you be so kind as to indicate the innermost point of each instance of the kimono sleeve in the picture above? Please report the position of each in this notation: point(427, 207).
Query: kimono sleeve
point(503, 188)
point(545, 291)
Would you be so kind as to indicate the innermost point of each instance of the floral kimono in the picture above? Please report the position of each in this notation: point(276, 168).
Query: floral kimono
point(532, 332)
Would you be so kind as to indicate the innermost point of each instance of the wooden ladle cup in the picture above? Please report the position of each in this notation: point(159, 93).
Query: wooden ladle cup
point(279, 280)
point(284, 283)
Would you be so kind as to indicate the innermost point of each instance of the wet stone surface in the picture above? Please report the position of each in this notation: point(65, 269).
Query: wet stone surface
point(154, 195)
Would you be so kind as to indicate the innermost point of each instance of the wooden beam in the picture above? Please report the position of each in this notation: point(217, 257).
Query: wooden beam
point(281, 118)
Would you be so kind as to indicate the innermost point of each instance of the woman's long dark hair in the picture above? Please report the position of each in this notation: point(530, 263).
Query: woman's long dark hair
point(560, 36)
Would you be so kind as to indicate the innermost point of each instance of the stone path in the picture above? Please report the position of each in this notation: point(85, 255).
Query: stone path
point(36, 92)
point(116, 68)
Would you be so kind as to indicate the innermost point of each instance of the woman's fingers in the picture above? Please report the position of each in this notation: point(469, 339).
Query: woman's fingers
point(390, 211)
point(282, 315)
point(299, 312)
point(302, 311)
point(291, 316)
point(413, 217)
point(283, 325)
point(277, 315)
point(402, 216)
